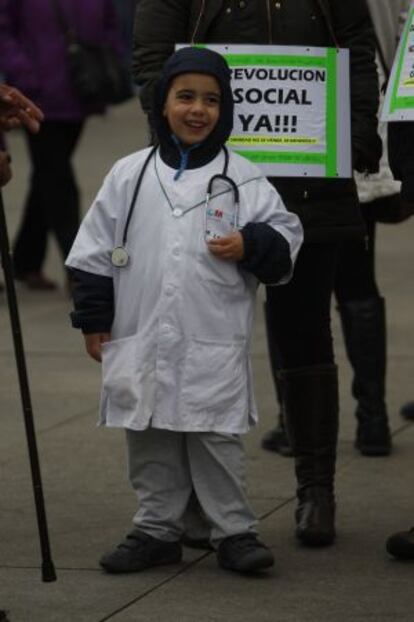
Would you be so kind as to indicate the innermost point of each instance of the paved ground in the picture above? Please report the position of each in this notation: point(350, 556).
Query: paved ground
point(89, 502)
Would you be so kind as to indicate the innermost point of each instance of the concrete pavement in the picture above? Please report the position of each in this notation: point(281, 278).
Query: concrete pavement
point(89, 503)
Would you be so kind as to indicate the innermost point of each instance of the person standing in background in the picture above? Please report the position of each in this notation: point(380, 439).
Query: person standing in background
point(33, 57)
point(401, 155)
point(402, 163)
point(360, 304)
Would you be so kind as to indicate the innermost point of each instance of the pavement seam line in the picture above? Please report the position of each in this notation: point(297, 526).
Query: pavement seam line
point(155, 587)
point(61, 424)
point(187, 567)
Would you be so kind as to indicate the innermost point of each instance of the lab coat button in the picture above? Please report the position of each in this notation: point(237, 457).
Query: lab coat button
point(176, 251)
point(177, 212)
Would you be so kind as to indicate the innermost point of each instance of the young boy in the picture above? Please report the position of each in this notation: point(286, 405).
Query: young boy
point(165, 291)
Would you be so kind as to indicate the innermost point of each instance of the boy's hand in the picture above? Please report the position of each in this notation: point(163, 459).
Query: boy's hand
point(230, 248)
point(93, 344)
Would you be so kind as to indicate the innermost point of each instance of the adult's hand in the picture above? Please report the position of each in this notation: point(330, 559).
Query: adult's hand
point(5, 168)
point(17, 110)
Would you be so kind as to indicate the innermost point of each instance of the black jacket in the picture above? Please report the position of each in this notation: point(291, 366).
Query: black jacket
point(328, 208)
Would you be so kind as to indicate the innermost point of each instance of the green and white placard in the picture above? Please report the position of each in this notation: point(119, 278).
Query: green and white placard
point(292, 108)
point(399, 98)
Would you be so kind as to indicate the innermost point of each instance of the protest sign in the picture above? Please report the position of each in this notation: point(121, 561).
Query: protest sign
point(399, 98)
point(292, 108)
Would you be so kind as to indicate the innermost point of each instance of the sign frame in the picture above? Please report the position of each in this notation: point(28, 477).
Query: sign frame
point(398, 105)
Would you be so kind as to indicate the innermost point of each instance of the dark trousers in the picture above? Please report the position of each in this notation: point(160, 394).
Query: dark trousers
point(355, 275)
point(301, 316)
point(52, 204)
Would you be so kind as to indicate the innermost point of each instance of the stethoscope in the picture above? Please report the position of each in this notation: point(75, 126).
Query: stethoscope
point(120, 255)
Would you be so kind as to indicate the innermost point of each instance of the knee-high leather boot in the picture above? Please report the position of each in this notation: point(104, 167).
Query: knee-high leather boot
point(311, 400)
point(363, 324)
point(275, 439)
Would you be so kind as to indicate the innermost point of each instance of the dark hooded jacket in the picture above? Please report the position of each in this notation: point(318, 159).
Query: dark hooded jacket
point(266, 252)
point(328, 208)
point(193, 60)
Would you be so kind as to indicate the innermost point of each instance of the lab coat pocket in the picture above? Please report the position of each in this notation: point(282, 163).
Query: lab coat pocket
point(119, 372)
point(215, 379)
point(210, 269)
point(128, 383)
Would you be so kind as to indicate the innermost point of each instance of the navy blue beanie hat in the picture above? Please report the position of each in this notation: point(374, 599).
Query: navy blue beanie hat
point(194, 60)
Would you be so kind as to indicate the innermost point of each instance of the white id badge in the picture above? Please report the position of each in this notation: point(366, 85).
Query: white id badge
point(219, 223)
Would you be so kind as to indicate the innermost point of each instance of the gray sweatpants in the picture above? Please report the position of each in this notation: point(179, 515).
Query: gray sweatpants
point(165, 467)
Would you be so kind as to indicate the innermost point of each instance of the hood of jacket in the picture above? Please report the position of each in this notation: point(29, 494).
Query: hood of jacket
point(193, 60)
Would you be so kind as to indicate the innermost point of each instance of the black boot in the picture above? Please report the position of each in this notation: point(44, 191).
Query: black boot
point(401, 545)
point(363, 324)
point(276, 439)
point(407, 411)
point(311, 400)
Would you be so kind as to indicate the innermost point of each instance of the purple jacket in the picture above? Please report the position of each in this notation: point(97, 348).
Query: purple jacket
point(33, 51)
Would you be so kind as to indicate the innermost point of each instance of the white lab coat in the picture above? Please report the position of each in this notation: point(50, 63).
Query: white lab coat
point(178, 358)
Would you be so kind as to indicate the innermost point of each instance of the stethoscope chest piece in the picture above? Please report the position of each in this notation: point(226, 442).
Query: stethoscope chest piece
point(119, 257)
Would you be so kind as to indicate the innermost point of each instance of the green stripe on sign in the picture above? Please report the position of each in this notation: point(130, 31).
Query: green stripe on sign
point(405, 102)
point(280, 157)
point(395, 102)
point(331, 110)
point(275, 60)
